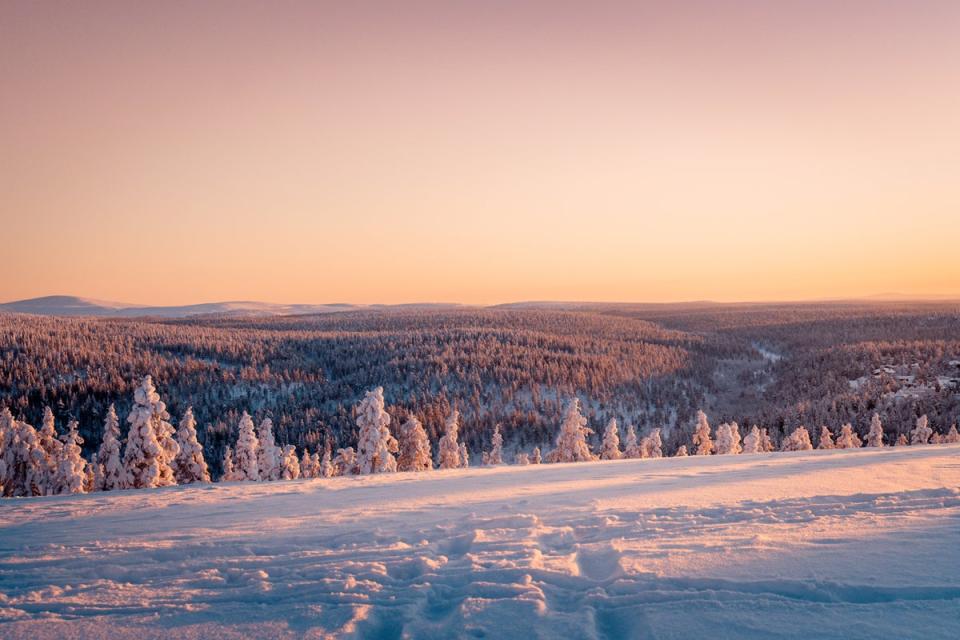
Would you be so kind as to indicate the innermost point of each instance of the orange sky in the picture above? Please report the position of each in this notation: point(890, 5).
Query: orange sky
point(479, 152)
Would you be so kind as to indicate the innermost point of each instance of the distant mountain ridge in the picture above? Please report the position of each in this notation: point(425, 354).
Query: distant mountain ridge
point(78, 306)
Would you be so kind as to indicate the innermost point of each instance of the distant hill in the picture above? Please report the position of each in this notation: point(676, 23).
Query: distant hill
point(77, 306)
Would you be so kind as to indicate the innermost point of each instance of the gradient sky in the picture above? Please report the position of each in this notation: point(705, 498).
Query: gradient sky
point(479, 152)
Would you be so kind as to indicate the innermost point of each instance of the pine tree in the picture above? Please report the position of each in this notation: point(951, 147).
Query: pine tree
point(464, 456)
point(571, 445)
point(309, 465)
point(875, 437)
point(521, 459)
point(826, 439)
point(681, 452)
point(51, 445)
point(766, 444)
point(375, 445)
point(495, 456)
point(108, 457)
point(289, 465)
point(144, 461)
point(848, 439)
point(728, 439)
point(327, 470)
point(230, 473)
point(269, 455)
point(652, 445)
point(346, 462)
point(751, 442)
point(952, 436)
point(25, 461)
point(610, 448)
point(799, 440)
point(6, 429)
point(701, 435)
point(922, 432)
point(189, 466)
point(415, 454)
point(448, 450)
point(71, 470)
point(632, 449)
point(246, 452)
point(902, 440)
point(536, 458)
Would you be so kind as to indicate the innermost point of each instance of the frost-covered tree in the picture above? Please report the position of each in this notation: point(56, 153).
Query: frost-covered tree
point(230, 474)
point(571, 444)
point(189, 466)
point(464, 455)
point(632, 446)
point(375, 446)
point(112, 476)
point(921, 432)
point(310, 465)
point(521, 458)
point(268, 453)
point(25, 463)
point(289, 465)
point(952, 436)
point(7, 426)
point(535, 457)
point(327, 468)
point(448, 449)
point(345, 463)
point(848, 439)
point(144, 460)
point(652, 445)
point(51, 445)
point(902, 440)
point(681, 451)
point(799, 440)
point(495, 456)
point(71, 469)
point(246, 453)
point(766, 444)
point(728, 439)
point(751, 442)
point(701, 435)
point(875, 436)
point(610, 449)
point(415, 454)
point(826, 439)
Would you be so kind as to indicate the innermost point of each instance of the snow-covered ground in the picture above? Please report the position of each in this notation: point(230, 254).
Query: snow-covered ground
point(844, 544)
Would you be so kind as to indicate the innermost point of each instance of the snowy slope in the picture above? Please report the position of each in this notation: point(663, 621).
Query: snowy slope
point(76, 306)
point(836, 544)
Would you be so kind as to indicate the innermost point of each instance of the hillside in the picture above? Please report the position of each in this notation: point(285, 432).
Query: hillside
point(828, 544)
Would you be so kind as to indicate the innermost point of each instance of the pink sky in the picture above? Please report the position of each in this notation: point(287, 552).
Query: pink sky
point(479, 151)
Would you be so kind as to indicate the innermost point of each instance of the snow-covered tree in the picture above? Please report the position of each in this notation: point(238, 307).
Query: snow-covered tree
point(25, 463)
point(652, 445)
point(902, 440)
point(799, 440)
point(71, 469)
point(848, 439)
point(230, 473)
point(112, 476)
point(51, 445)
point(631, 445)
point(144, 460)
point(448, 450)
point(521, 458)
point(701, 435)
point(375, 445)
point(345, 463)
point(875, 436)
point(766, 444)
point(289, 465)
point(246, 452)
point(310, 464)
point(464, 455)
point(269, 455)
point(826, 439)
point(681, 451)
point(415, 454)
point(189, 466)
point(327, 468)
point(571, 445)
point(952, 436)
point(728, 439)
point(610, 449)
point(495, 456)
point(921, 432)
point(535, 457)
point(751, 442)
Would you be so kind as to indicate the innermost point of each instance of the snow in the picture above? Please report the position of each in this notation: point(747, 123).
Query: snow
point(856, 543)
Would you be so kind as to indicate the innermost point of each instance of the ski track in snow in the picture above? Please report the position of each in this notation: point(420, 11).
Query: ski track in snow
point(843, 544)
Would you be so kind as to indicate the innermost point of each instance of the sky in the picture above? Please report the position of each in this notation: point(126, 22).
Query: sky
point(479, 152)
